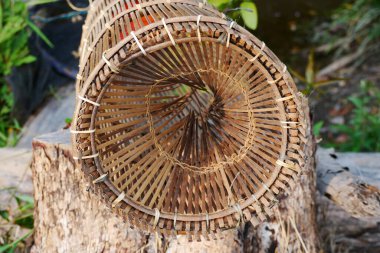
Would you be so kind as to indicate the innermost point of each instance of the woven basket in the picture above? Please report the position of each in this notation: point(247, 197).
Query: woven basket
point(185, 122)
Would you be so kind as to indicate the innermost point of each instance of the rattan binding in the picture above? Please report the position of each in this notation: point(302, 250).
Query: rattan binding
point(185, 122)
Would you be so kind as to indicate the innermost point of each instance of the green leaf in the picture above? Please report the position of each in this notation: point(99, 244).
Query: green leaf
point(1, 16)
point(5, 110)
point(13, 25)
point(249, 14)
point(3, 139)
point(39, 33)
point(19, 45)
point(26, 207)
point(309, 74)
point(327, 82)
point(356, 101)
point(68, 120)
point(218, 3)
point(4, 214)
point(19, 8)
point(25, 198)
point(6, 247)
point(317, 128)
point(25, 60)
point(341, 128)
point(25, 221)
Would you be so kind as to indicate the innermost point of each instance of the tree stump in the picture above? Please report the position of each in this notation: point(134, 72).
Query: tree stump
point(69, 219)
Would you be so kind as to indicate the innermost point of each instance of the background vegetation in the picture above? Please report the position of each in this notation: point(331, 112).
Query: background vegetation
point(16, 224)
point(350, 40)
point(15, 29)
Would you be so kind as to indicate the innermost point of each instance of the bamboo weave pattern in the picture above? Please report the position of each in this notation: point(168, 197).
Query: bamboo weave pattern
point(185, 122)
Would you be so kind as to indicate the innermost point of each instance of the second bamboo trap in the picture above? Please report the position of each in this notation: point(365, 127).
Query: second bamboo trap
point(185, 122)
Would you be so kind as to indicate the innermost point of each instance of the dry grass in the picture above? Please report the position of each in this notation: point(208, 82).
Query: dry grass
point(290, 237)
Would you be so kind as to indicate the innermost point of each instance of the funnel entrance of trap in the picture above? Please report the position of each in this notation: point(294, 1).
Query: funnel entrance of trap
point(199, 120)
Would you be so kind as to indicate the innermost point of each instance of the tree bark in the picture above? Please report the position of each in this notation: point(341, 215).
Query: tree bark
point(67, 218)
point(350, 192)
point(70, 219)
point(341, 232)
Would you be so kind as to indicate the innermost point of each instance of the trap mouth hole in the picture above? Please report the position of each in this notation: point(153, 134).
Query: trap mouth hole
point(211, 125)
point(201, 101)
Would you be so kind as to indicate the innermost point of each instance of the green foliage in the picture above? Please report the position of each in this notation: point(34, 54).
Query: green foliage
point(14, 33)
point(39, 32)
point(309, 79)
point(317, 128)
point(4, 214)
point(354, 29)
point(15, 29)
point(245, 12)
point(219, 3)
point(363, 128)
point(249, 14)
point(10, 247)
point(68, 121)
point(13, 37)
point(9, 128)
point(19, 218)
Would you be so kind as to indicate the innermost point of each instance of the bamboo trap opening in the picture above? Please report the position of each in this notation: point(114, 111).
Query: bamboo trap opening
point(185, 122)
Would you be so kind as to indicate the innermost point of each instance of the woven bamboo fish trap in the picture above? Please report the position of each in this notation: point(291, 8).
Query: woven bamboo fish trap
point(185, 122)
